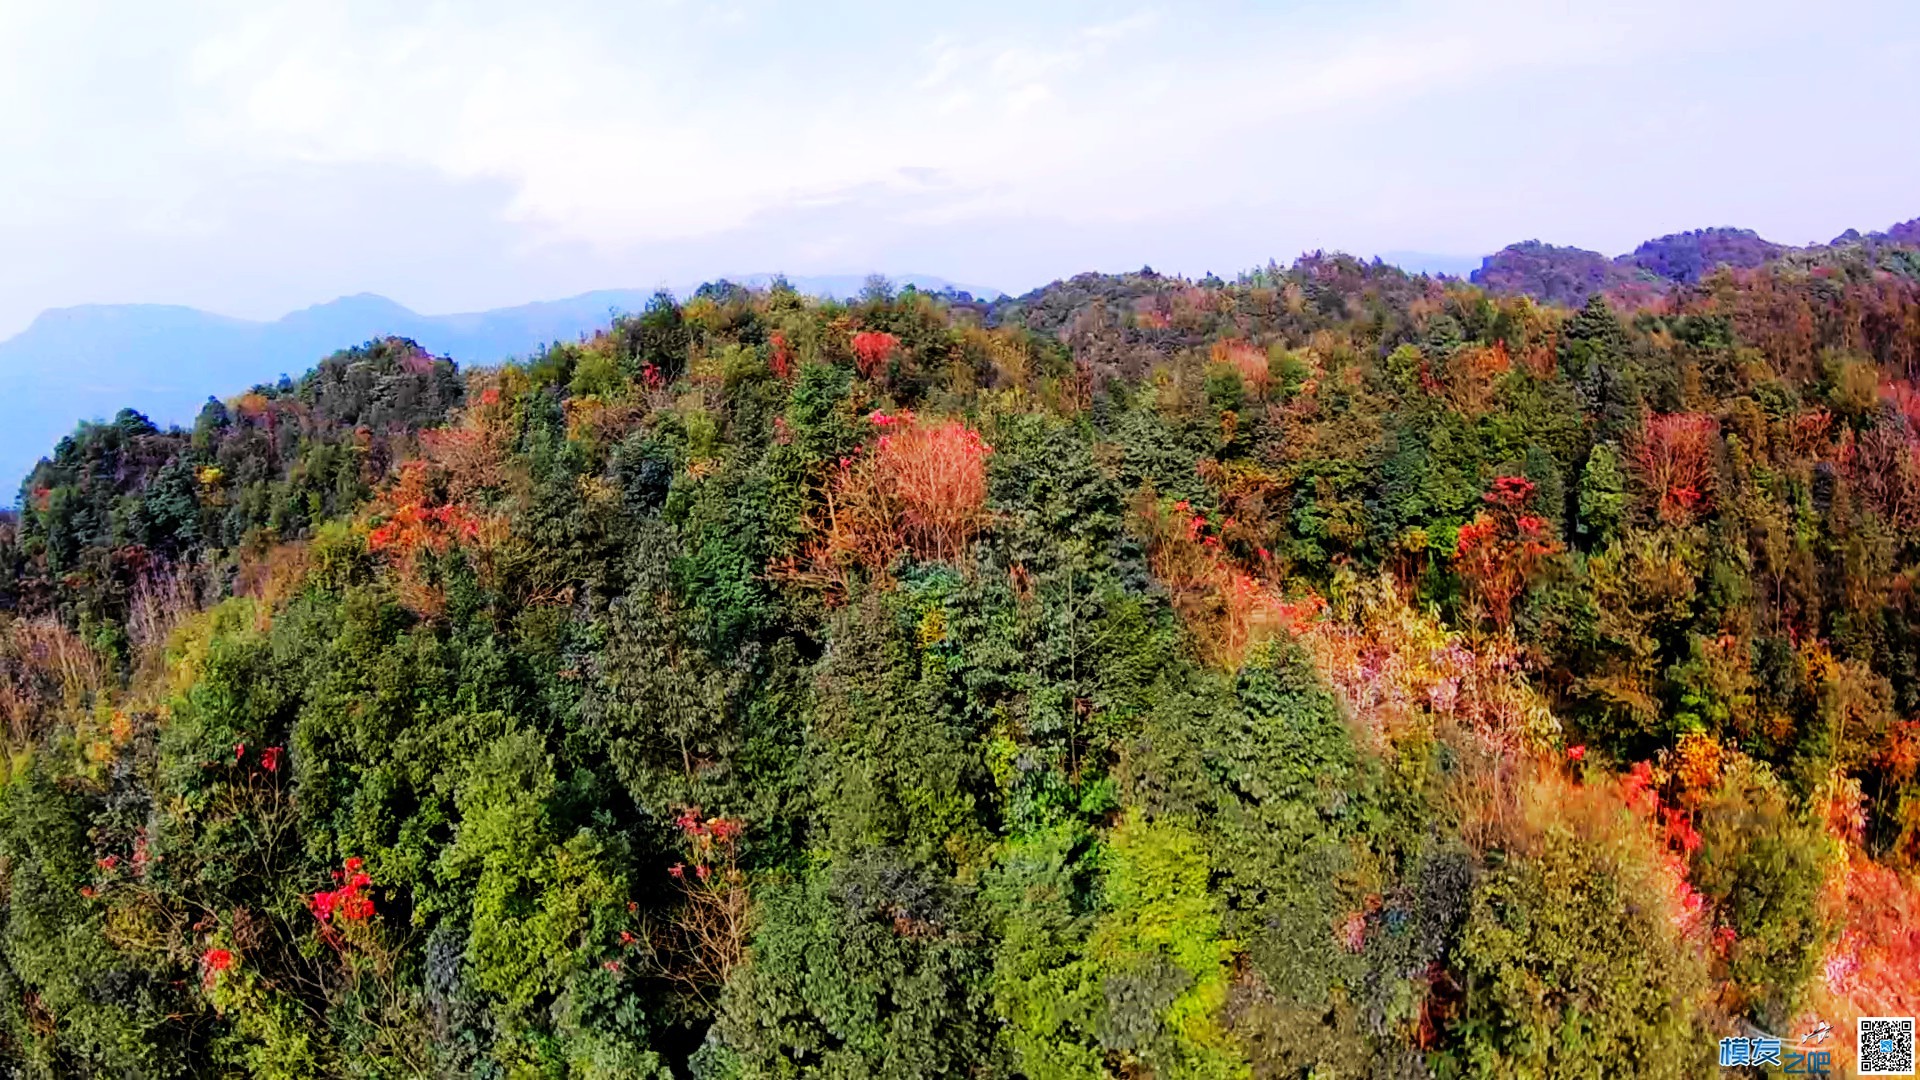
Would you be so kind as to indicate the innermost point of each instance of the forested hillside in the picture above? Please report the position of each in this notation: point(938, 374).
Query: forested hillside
point(1328, 673)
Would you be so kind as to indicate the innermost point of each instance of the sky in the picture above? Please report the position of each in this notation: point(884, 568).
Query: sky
point(255, 157)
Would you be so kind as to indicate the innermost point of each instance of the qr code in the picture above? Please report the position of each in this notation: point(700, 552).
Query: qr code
point(1886, 1046)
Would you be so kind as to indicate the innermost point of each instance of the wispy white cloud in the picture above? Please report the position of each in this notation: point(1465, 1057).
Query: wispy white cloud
point(618, 139)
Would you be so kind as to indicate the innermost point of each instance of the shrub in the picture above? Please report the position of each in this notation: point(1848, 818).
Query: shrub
point(1162, 958)
point(1603, 494)
point(1763, 871)
point(1574, 956)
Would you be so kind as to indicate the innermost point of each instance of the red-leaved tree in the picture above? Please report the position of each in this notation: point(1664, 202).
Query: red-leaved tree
point(780, 356)
point(708, 935)
point(1503, 549)
point(1673, 459)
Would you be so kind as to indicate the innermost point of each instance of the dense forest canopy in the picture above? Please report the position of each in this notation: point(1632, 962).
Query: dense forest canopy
point(1331, 673)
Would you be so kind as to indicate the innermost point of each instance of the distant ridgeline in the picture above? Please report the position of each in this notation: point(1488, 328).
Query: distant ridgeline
point(89, 361)
point(1330, 672)
point(1568, 275)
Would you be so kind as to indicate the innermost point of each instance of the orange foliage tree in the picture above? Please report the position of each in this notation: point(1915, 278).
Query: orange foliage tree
point(1226, 609)
point(413, 530)
point(918, 486)
point(1249, 361)
point(470, 454)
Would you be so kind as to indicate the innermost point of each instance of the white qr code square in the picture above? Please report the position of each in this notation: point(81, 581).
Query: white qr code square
point(1886, 1046)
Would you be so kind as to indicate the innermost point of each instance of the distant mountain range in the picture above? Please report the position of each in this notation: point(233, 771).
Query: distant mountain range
point(1427, 262)
point(90, 361)
point(1568, 275)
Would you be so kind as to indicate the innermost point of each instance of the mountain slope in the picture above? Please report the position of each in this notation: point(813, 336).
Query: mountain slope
point(1321, 673)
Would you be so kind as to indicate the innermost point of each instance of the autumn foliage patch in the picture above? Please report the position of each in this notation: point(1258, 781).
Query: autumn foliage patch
point(1231, 715)
point(871, 351)
point(1248, 361)
point(918, 486)
point(413, 532)
point(1226, 608)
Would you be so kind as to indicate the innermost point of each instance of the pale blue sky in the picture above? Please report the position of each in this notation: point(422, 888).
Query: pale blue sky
point(258, 156)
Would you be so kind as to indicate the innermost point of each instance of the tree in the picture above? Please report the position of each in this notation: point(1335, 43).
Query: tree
point(1673, 461)
point(1603, 494)
point(655, 341)
point(1501, 551)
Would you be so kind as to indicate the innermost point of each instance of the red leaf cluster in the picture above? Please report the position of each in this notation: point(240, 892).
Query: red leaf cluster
point(214, 963)
point(780, 359)
point(1639, 789)
point(350, 901)
point(1876, 962)
point(413, 527)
